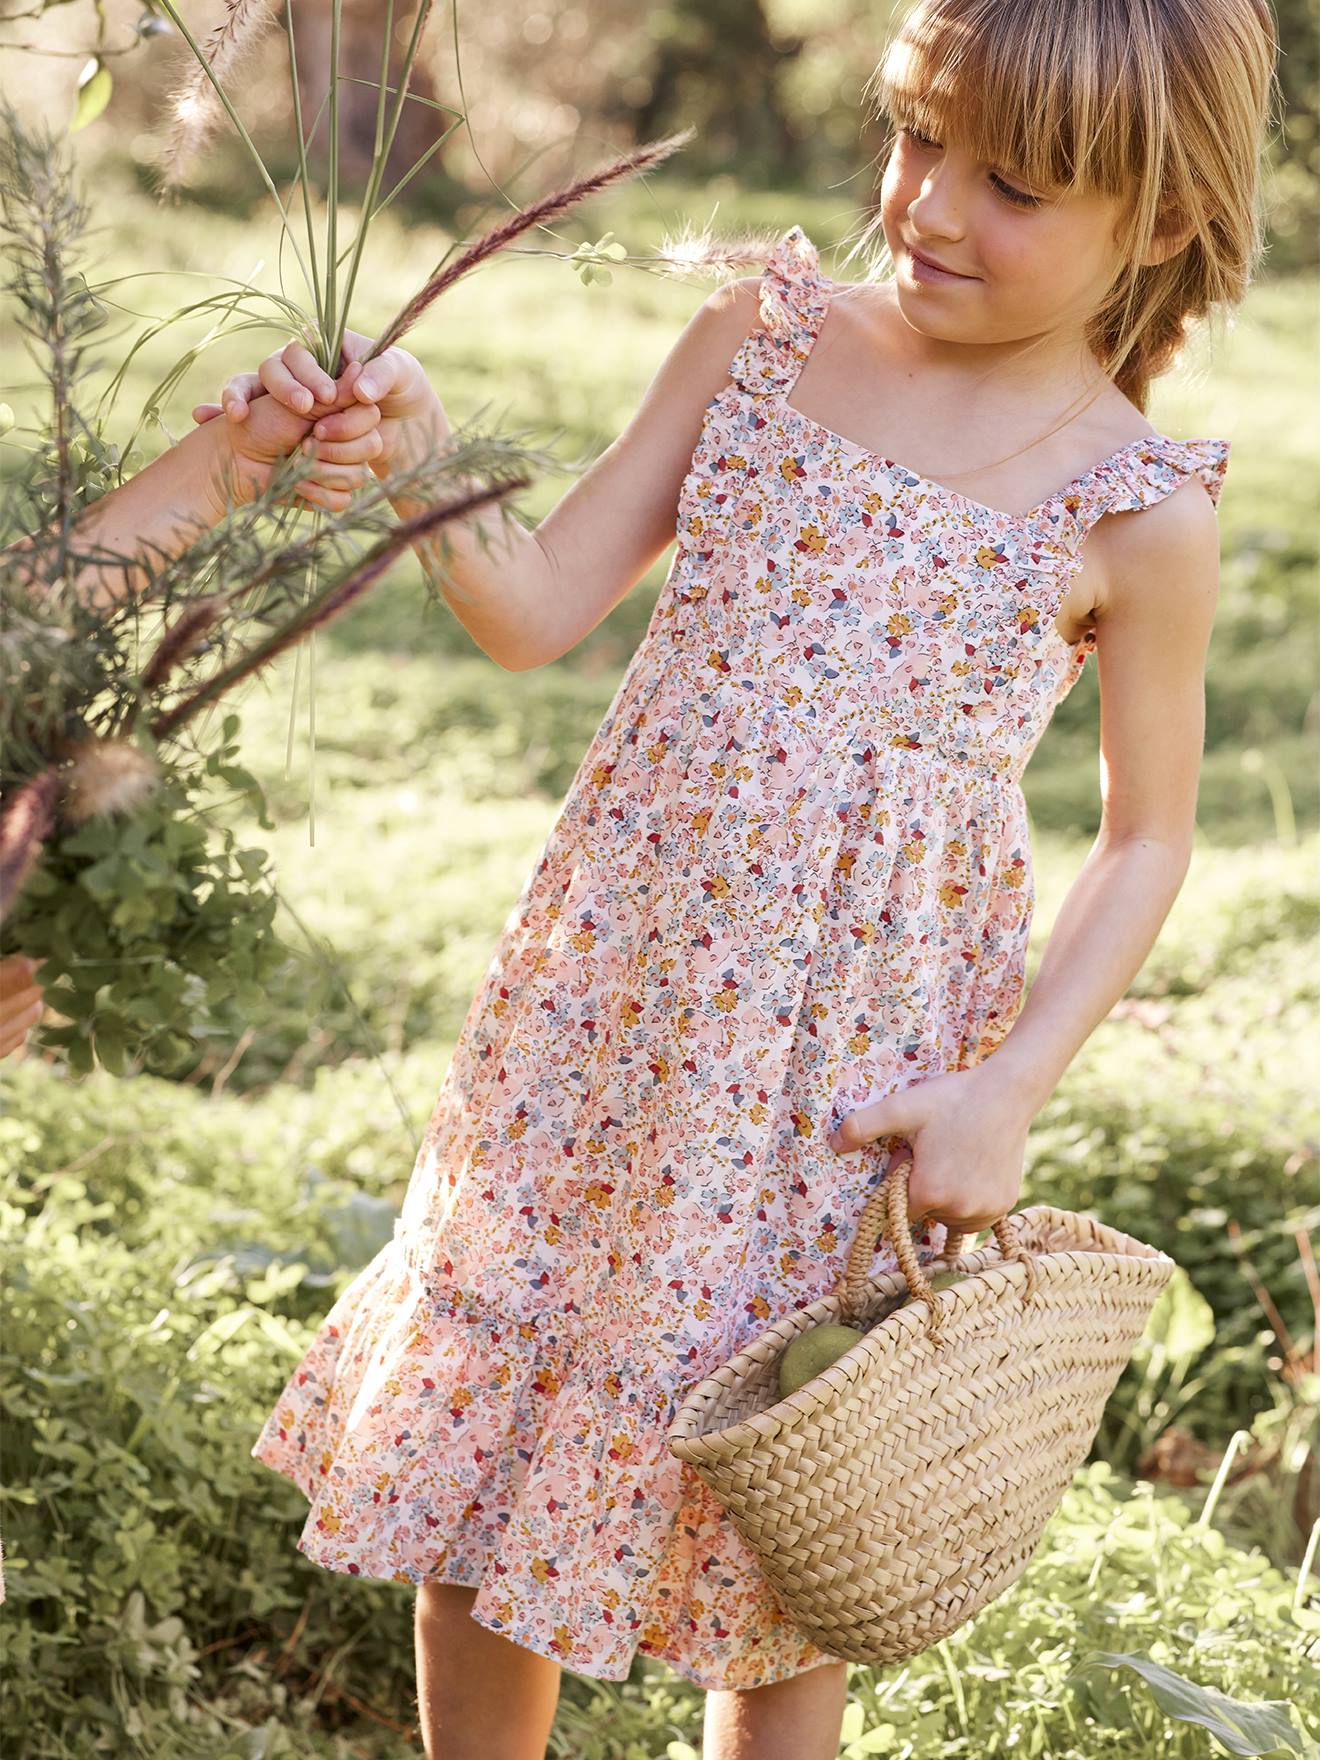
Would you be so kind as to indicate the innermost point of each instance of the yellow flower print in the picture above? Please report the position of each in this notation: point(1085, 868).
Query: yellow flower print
point(790, 470)
point(599, 1192)
point(801, 1121)
point(716, 887)
point(726, 999)
point(758, 1308)
point(952, 895)
point(328, 1521)
point(622, 1447)
point(517, 1128)
point(800, 596)
point(860, 1042)
point(810, 538)
point(630, 1012)
point(793, 695)
point(827, 1241)
point(1015, 873)
point(988, 555)
point(847, 860)
point(562, 1641)
point(542, 1569)
point(898, 624)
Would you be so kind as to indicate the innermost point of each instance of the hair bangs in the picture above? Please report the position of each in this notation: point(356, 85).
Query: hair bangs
point(1048, 94)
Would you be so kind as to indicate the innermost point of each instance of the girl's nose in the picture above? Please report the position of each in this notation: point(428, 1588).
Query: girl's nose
point(937, 209)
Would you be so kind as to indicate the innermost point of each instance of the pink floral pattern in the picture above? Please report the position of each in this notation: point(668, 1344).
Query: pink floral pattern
point(791, 874)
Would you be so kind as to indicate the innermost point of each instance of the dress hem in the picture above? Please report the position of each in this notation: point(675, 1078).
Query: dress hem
point(519, 1635)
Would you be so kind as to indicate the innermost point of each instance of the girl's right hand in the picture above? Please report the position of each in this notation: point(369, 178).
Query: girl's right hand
point(411, 418)
point(21, 1003)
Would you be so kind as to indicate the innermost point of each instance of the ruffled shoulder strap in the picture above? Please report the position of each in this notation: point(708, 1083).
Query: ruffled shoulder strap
point(794, 299)
point(1144, 472)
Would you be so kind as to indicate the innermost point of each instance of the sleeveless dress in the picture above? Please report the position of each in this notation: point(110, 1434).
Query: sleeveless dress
point(791, 875)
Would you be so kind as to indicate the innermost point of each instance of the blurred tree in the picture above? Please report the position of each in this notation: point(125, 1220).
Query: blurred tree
point(1295, 158)
point(361, 30)
point(717, 64)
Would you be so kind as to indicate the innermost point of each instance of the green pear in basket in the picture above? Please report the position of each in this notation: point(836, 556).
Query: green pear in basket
point(812, 1351)
point(947, 1279)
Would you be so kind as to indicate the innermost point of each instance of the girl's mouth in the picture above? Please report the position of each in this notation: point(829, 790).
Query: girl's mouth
point(923, 269)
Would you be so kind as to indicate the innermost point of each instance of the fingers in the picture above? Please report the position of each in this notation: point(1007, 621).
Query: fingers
point(349, 436)
point(21, 1001)
point(332, 486)
point(379, 377)
point(206, 412)
point(293, 378)
point(317, 495)
point(238, 394)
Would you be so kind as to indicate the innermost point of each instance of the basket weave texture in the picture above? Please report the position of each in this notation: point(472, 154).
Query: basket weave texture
point(905, 1487)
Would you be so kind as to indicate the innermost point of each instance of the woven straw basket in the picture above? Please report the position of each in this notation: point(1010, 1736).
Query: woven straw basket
point(892, 1497)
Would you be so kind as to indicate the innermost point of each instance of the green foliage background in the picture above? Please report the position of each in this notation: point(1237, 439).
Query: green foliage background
point(170, 1245)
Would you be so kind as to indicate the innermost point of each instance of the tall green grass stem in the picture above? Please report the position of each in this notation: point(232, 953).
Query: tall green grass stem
point(172, 12)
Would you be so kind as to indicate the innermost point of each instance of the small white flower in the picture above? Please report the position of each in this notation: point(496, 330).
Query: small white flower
point(106, 776)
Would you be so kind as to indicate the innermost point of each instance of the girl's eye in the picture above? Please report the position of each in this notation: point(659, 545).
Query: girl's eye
point(1019, 197)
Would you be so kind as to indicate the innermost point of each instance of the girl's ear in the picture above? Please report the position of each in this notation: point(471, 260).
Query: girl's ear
point(1171, 236)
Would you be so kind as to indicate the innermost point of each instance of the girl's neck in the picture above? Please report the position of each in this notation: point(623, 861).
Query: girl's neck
point(1052, 370)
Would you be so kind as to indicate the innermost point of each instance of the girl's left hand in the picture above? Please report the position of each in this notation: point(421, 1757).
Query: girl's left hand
point(968, 1134)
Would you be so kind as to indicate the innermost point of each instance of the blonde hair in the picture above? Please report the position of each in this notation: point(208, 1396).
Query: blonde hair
point(1164, 104)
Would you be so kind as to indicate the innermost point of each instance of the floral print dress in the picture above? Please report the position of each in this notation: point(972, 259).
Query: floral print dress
point(791, 874)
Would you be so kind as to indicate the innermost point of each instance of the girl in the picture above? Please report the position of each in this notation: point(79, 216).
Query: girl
point(782, 914)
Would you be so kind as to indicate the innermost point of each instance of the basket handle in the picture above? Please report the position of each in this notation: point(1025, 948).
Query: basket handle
point(887, 1210)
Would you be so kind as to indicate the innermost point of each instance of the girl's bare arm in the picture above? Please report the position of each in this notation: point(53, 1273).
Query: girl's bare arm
point(604, 533)
point(1160, 568)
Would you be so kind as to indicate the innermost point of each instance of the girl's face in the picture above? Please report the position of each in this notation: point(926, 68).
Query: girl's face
point(1024, 262)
